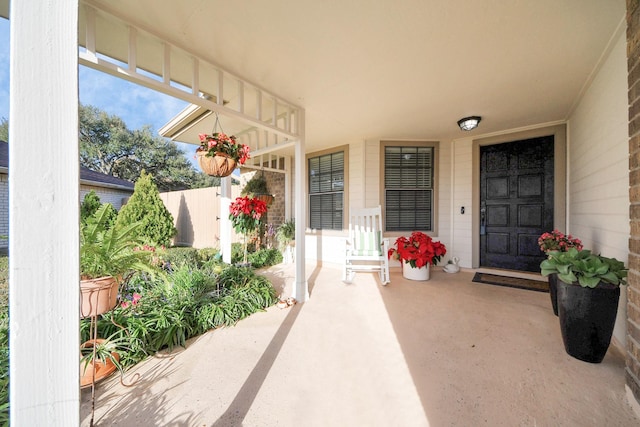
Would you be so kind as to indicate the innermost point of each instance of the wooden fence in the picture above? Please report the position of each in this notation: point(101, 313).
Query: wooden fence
point(195, 214)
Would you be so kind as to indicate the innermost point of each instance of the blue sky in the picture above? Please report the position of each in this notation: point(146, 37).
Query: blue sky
point(136, 105)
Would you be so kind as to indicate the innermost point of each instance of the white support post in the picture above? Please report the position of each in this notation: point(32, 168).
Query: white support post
point(300, 288)
point(225, 222)
point(44, 214)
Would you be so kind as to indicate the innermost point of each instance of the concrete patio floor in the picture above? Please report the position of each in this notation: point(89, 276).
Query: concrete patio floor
point(446, 352)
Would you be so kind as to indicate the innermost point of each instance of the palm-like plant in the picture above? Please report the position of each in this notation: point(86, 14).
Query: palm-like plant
point(108, 251)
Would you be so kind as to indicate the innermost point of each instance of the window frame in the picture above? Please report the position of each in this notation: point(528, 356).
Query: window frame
point(345, 199)
point(435, 145)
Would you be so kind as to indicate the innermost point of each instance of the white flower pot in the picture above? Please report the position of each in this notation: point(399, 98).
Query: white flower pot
point(410, 273)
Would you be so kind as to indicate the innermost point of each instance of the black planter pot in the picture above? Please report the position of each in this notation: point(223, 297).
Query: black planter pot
point(553, 292)
point(587, 317)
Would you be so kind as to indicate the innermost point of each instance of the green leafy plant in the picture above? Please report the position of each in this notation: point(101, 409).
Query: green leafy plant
point(255, 186)
point(583, 267)
point(286, 233)
point(146, 207)
point(109, 251)
point(103, 350)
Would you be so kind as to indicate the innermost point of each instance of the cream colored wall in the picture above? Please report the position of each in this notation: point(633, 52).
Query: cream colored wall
point(365, 190)
point(460, 189)
point(599, 166)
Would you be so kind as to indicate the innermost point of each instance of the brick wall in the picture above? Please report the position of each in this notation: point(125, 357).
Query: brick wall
point(633, 303)
point(275, 213)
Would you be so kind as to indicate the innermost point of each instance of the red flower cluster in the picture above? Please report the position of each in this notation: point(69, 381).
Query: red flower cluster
point(221, 143)
point(245, 214)
point(418, 250)
point(557, 241)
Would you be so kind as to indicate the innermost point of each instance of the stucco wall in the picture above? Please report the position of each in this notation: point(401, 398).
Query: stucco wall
point(598, 171)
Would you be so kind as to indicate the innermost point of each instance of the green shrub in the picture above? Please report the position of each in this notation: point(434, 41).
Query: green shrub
point(146, 206)
point(90, 205)
point(180, 256)
point(237, 251)
point(208, 254)
point(4, 281)
point(160, 314)
point(265, 258)
point(4, 365)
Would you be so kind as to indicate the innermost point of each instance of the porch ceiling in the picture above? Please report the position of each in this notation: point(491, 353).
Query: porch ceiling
point(389, 69)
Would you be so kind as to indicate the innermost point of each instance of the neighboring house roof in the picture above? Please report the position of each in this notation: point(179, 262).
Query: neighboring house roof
point(87, 176)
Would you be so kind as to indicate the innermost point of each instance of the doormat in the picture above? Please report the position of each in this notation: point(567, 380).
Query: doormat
point(511, 282)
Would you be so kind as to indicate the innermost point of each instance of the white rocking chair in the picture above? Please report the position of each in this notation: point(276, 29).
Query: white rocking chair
point(366, 248)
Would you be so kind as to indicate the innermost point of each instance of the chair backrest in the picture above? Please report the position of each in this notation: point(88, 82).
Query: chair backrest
point(365, 231)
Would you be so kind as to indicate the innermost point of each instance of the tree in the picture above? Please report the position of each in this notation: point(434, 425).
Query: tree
point(108, 146)
point(146, 206)
point(4, 129)
point(91, 203)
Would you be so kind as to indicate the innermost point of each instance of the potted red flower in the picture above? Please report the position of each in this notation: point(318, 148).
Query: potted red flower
point(245, 214)
point(416, 254)
point(559, 242)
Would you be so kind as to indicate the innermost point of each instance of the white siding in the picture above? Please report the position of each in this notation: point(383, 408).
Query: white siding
point(107, 195)
point(599, 168)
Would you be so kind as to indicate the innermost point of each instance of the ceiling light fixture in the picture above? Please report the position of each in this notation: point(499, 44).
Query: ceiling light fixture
point(469, 123)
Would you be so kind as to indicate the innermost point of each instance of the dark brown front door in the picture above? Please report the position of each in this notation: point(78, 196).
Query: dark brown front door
point(516, 202)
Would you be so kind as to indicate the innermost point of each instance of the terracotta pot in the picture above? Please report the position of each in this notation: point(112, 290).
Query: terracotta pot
point(220, 165)
point(97, 296)
point(411, 273)
point(93, 372)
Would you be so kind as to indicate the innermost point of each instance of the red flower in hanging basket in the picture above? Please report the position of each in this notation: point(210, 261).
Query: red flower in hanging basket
point(220, 143)
point(418, 250)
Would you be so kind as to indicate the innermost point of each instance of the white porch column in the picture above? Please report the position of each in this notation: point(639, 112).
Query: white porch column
point(44, 214)
point(300, 287)
point(225, 222)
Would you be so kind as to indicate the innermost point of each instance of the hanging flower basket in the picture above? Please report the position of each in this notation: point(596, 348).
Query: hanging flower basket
point(219, 165)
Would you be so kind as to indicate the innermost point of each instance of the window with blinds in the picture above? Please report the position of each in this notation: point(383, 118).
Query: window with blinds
point(326, 191)
point(408, 185)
